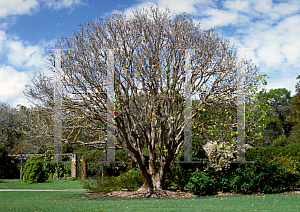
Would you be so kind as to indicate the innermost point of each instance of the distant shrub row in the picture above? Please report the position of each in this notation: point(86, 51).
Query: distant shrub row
point(128, 180)
point(269, 152)
point(264, 177)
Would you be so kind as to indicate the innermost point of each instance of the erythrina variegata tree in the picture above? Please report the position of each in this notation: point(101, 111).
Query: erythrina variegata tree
point(149, 73)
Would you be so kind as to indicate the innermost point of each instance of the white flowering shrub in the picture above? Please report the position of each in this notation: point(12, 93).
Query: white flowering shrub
point(220, 154)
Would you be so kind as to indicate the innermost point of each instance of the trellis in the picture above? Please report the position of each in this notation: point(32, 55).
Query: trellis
point(110, 148)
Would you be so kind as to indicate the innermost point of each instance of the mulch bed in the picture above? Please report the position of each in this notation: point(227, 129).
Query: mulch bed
point(163, 193)
point(160, 194)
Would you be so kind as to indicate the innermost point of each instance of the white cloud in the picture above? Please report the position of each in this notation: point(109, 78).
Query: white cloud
point(191, 7)
point(270, 54)
point(218, 18)
point(275, 45)
point(21, 7)
point(59, 4)
point(288, 81)
point(263, 6)
point(236, 5)
point(284, 9)
point(27, 56)
point(17, 7)
point(12, 83)
point(187, 6)
point(2, 39)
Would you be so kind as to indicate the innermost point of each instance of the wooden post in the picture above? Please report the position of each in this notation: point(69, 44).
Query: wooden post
point(83, 170)
point(57, 167)
point(21, 169)
point(73, 166)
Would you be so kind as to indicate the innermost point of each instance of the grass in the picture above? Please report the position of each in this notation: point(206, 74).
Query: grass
point(77, 200)
point(50, 184)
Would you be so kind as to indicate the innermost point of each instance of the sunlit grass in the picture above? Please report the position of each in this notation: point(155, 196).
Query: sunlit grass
point(50, 184)
point(78, 201)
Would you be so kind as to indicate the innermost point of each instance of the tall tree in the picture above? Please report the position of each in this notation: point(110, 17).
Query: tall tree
point(149, 84)
point(295, 114)
point(280, 101)
point(11, 123)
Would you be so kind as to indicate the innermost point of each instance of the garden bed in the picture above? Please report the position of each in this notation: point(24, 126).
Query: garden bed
point(169, 193)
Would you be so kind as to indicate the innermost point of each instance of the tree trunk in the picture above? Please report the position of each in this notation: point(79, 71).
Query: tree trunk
point(155, 181)
point(83, 170)
point(73, 166)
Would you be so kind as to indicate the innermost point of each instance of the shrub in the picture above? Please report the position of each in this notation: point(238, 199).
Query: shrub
point(72, 179)
point(291, 166)
point(261, 176)
point(8, 169)
point(269, 152)
point(281, 141)
point(225, 183)
point(46, 164)
point(178, 176)
point(33, 171)
point(223, 178)
point(201, 184)
point(128, 180)
point(219, 154)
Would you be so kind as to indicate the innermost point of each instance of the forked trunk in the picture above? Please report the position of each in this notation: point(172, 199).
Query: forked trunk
point(154, 182)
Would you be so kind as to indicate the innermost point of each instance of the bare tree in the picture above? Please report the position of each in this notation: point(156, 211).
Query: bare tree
point(149, 50)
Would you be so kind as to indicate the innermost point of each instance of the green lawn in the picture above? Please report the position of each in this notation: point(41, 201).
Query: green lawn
point(50, 184)
point(77, 200)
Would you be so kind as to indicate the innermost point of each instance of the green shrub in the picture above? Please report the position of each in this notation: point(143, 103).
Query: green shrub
point(8, 169)
point(291, 164)
point(33, 171)
point(178, 176)
point(46, 164)
point(105, 184)
point(128, 180)
point(72, 179)
point(222, 178)
point(281, 141)
point(224, 183)
point(269, 152)
point(201, 184)
point(261, 176)
point(3, 162)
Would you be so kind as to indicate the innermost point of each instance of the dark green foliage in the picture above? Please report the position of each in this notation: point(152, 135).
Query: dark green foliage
point(225, 183)
point(201, 184)
point(178, 176)
point(269, 152)
point(94, 167)
point(8, 169)
point(223, 179)
point(33, 171)
point(261, 176)
point(288, 156)
point(72, 179)
point(128, 180)
point(46, 165)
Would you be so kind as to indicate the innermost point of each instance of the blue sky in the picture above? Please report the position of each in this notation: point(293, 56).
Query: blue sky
point(27, 27)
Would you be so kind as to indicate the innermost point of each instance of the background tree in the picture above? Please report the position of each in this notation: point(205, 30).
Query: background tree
point(220, 117)
point(280, 102)
point(8, 169)
point(11, 124)
point(149, 82)
point(294, 118)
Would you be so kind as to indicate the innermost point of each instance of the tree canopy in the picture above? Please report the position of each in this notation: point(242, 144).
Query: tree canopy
point(149, 50)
